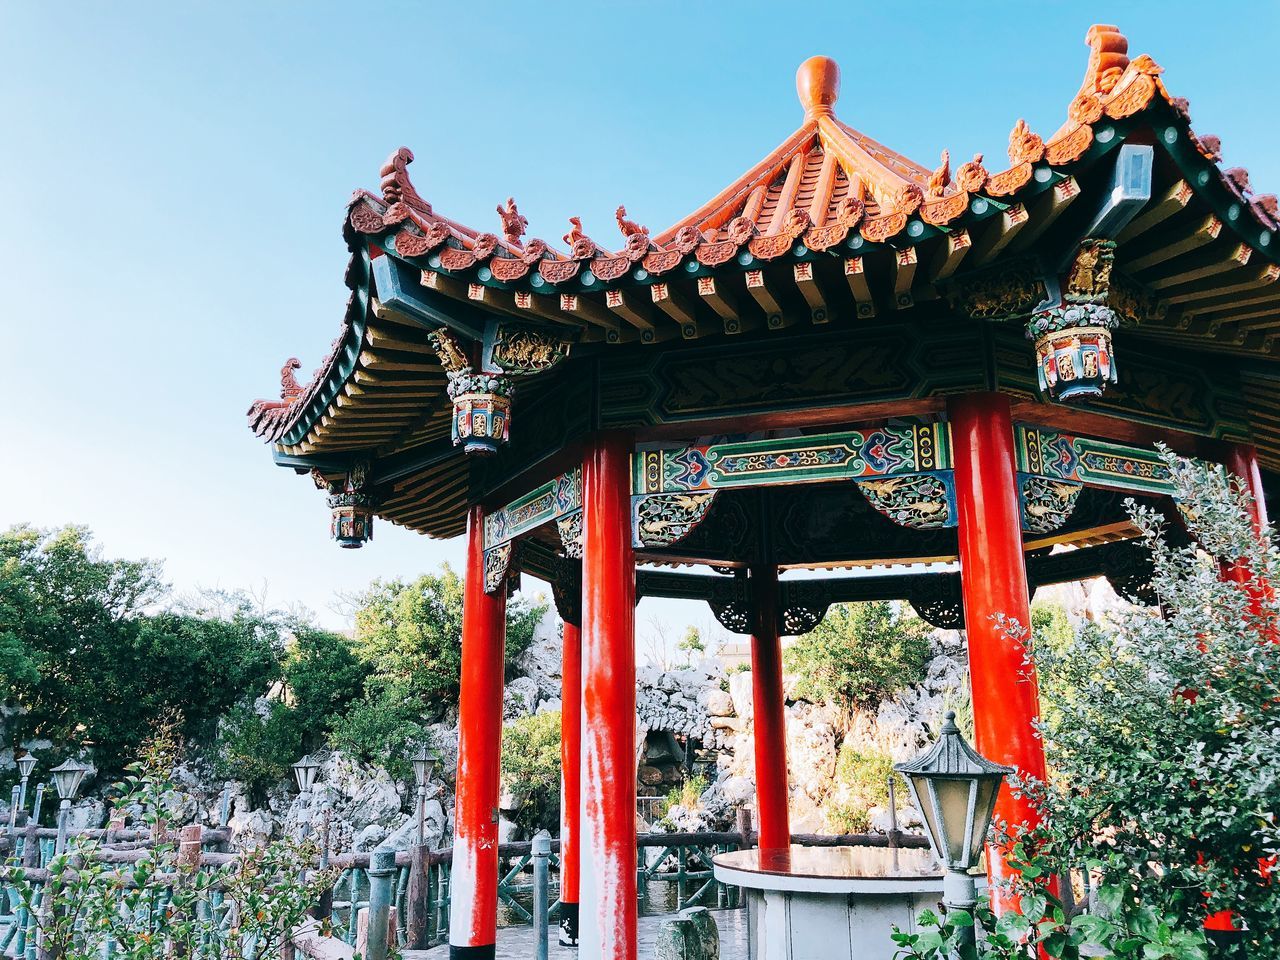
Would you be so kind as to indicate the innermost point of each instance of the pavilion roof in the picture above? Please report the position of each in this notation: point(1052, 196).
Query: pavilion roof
point(829, 216)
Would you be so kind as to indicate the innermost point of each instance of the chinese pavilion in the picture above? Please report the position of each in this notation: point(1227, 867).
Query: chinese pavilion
point(845, 359)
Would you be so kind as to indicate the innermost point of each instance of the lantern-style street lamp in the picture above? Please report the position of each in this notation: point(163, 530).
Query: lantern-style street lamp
point(67, 777)
point(304, 772)
point(955, 788)
point(26, 763)
point(424, 764)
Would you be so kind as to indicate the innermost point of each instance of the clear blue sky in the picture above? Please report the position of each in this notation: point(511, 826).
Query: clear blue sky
point(175, 175)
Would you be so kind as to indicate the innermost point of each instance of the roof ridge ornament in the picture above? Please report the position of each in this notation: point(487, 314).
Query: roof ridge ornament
point(818, 86)
point(396, 187)
point(514, 223)
point(290, 389)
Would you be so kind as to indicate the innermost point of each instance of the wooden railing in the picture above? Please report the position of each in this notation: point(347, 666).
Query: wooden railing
point(420, 891)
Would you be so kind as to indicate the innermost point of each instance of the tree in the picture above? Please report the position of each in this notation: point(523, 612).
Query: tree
point(323, 677)
point(531, 768)
point(691, 643)
point(408, 636)
point(93, 668)
point(1161, 728)
point(860, 654)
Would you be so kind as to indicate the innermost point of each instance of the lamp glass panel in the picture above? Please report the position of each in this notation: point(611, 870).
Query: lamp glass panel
point(924, 800)
point(25, 765)
point(66, 779)
point(953, 808)
point(984, 808)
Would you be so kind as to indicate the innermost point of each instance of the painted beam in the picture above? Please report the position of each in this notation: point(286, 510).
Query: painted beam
point(1098, 463)
point(548, 502)
point(870, 453)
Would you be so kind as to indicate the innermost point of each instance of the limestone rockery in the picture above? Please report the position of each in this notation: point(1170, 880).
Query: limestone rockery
point(694, 758)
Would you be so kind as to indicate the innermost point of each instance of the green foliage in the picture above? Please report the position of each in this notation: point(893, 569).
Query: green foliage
point(160, 907)
point(1050, 625)
point(1161, 727)
point(323, 677)
point(862, 782)
point(92, 666)
point(531, 768)
point(687, 795)
point(1160, 730)
point(257, 749)
point(859, 655)
point(1045, 927)
point(381, 729)
point(691, 644)
point(410, 637)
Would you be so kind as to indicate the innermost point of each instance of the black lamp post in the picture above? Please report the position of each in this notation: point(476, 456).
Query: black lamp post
point(955, 789)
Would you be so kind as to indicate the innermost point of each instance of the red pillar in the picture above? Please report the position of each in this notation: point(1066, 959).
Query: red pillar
point(1242, 460)
point(994, 581)
point(768, 708)
point(608, 857)
point(473, 912)
point(570, 778)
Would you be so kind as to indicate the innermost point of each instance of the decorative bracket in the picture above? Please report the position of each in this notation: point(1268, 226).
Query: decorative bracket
point(661, 519)
point(920, 501)
point(566, 589)
point(499, 572)
point(938, 601)
point(569, 527)
point(1047, 504)
point(521, 349)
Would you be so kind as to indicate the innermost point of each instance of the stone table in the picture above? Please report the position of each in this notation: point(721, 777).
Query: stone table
point(830, 903)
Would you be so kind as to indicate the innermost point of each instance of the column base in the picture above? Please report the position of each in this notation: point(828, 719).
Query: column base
point(473, 953)
point(568, 924)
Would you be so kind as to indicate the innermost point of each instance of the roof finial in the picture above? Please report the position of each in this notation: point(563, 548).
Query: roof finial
point(818, 86)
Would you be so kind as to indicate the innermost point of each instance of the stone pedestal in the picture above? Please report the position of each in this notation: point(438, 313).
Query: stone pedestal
point(831, 903)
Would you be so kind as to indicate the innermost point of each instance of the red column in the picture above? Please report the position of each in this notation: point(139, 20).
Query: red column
point(608, 857)
point(570, 778)
point(473, 912)
point(994, 581)
point(1242, 460)
point(768, 707)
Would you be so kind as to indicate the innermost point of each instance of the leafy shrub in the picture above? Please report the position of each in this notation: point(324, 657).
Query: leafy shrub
point(861, 780)
point(383, 728)
point(323, 677)
point(161, 907)
point(257, 748)
point(688, 794)
point(88, 663)
point(859, 655)
point(531, 769)
point(410, 637)
point(1161, 728)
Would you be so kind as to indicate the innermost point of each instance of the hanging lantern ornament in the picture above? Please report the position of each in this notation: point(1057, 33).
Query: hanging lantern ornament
point(351, 510)
point(1074, 357)
point(481, 410)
